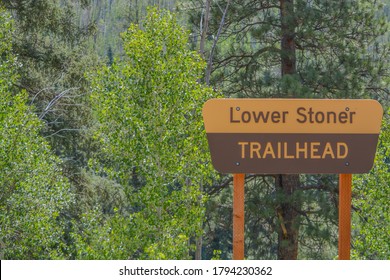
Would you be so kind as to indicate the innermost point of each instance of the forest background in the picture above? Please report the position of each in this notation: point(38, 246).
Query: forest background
point(103, 153)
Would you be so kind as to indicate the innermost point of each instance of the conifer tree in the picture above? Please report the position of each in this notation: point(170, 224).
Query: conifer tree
point(298, 49)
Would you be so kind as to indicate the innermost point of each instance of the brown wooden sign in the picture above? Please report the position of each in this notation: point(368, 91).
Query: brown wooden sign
point(286, 136)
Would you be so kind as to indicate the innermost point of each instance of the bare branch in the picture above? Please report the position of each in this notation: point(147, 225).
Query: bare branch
point(216, 188)
point(54, 101)
point(210, 60)
point(317, 187)
point(204, 26)
point(65, 129)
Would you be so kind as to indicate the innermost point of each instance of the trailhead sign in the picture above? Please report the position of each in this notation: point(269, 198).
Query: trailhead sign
point(287, 136)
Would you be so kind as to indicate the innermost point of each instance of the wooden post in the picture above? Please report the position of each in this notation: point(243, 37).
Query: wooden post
point(345, 197)
point(238, 216)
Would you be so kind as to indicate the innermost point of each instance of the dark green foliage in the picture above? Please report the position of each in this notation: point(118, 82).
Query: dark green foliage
point(334, 43)
point(34, 196)
point(341, 51)
point(50, 47)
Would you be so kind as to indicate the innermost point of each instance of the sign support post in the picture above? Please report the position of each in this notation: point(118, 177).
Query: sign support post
point(345, 196)
point(238, 216)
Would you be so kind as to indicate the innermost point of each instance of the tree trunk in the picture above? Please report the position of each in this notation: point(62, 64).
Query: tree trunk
point(199, 244)
point(288, 217)
point(204, 26)
point(288, 56)
point(199, 239)
point(286, 185)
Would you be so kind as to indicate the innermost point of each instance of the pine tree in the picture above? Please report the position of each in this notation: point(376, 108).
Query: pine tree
point(299, 49)
point(51, 47)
